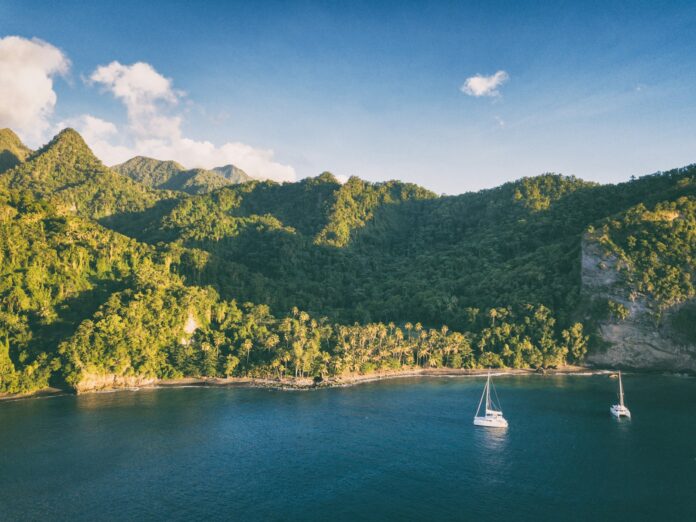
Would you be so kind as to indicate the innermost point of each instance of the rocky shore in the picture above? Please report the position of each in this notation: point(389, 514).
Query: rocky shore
point(104, 383)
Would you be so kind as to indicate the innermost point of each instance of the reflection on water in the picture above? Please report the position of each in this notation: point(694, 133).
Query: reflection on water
point(623, 426)
point(373, 452)
point(491, 440)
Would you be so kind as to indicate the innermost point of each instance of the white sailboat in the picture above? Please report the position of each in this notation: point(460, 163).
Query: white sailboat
point(620, 410)
point(492, 418)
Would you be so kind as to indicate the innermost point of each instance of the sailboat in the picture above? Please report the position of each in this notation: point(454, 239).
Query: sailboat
point(620, 410)
point(492, 418)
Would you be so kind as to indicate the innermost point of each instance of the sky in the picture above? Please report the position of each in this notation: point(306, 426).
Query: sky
point(454, 96)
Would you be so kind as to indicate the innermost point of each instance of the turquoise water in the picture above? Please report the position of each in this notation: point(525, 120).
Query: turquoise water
point(401, 450)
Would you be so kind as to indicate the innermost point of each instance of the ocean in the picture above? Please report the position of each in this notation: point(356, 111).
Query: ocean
point(402, 449)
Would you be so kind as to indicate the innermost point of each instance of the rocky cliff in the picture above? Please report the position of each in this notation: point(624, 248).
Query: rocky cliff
point(637, 336)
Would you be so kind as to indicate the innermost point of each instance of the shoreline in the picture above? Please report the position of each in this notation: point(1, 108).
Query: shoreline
point(307, 384)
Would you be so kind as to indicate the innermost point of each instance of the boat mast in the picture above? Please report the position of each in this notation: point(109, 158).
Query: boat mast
point(488, 392)
point(621, 402)
point(478, 409)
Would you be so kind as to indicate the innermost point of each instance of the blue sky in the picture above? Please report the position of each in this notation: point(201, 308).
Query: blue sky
point(599, 90)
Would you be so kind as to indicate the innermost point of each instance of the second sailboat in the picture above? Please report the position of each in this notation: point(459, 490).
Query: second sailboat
point(493, 414)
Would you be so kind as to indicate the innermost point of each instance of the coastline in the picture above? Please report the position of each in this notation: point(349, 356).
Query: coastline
point(111, 383)
point(114, 383)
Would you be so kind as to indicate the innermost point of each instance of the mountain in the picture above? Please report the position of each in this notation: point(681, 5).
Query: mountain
point(170, 175)
point(66, 173)
point(233, 174)
point(105, 281)
point(149, 171)
point(12, 150)
point(403, 253)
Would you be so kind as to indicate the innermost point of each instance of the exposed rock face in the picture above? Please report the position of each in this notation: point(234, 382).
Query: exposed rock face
point(191, 324)
point(94, 382)
point(190, 327)
point(637, 341)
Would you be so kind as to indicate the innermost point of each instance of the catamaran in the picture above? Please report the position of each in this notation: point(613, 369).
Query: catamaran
point(492, 418)
point(620, 410)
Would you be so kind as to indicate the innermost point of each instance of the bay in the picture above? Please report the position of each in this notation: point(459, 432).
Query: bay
point(402, 449)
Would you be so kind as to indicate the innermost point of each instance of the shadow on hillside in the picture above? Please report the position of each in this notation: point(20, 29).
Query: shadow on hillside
point(276, 267)
point(417, 259)
point(71, 312)
point(139, 225)
point(8, 160)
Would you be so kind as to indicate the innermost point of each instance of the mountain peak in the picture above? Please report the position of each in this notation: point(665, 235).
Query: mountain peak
point(65, 160)
point(68, 147)
point(68, 136)
point(152, 163)
point(12, 150)
point(233, 173)
point(149, 171)
point(66, 172)
point(171, 175)
point(7, 136)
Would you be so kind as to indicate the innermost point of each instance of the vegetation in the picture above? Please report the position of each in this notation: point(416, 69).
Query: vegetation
point(657, 249)
point(66, 173)
point(143, 332)
point(233, 174)
point(103, 275)
point(170, 175)
point(54, 272)
point(12, 150)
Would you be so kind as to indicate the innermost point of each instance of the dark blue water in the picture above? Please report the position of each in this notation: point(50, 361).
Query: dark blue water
point(399, 450)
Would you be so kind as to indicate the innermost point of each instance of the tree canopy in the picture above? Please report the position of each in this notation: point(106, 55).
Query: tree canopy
point(104, 275)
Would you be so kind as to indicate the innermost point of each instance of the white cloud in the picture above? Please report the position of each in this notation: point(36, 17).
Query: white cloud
point(480, 85)
point(145, 93)
point(27, 98)
point(138, 84)
point(149, 97)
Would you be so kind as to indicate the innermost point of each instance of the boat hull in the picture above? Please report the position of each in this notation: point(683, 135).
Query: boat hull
point(619, 411)
point(490, 422)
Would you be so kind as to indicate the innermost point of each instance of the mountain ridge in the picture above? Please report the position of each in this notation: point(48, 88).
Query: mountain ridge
point(66, 172)
point(170, 175)
point(233, 173)
point(105, 279)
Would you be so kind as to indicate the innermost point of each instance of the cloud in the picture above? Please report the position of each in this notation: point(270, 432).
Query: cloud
point(149, 98)
point(138, 84)
point(154, 128)
point(27, 98)
point(480, 85)
point(145, 93)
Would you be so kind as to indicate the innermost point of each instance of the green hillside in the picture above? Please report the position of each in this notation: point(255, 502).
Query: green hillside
point(66, 173)
point(233, 174)
point(12, 150)
point(170, 175)
point(106, 280)
point(395, 252)
point(149, 171)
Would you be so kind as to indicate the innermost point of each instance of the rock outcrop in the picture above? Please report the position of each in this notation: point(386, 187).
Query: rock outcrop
point(639, 340)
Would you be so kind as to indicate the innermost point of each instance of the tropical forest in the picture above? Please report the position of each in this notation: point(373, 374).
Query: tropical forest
point(148, 270)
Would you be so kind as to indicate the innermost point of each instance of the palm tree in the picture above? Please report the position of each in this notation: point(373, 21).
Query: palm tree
point(246, 347)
